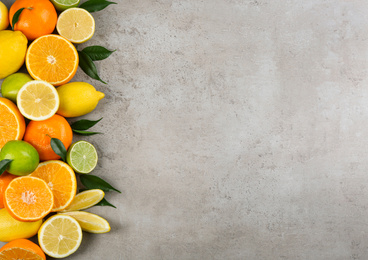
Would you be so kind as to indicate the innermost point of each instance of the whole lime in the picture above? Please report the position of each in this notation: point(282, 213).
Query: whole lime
point(12, 84)
point(25, 157)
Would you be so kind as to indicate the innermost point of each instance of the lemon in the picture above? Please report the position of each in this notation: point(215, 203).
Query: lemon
point(11, 228)
point(4, 17)
point(77, 99)
point(86, 199)
point(89, 222)
point(13, 46)
point(76, 24)
point(38, 100)
point(60, 236)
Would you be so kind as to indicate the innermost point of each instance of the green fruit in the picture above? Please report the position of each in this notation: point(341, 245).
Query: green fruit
point(13, 46)
point(12, 84)
point(25, 157)
point(82, 157)
point(77, 99)
point(62, 5)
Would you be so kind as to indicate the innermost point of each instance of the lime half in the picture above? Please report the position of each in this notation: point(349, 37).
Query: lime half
point(62, 5)
point(82, 157)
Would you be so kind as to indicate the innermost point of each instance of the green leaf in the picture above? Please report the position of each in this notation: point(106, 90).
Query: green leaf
point(58, 148)
point(84, 124)
point(86, 133)
point(104, 202)
point(87, 65)
point(16, 17)
point(97, 52)
point(4, 164)
point(95, 5)
point(94, 182)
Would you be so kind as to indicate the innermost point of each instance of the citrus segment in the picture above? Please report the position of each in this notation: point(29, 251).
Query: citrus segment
point(82, 157)
point(85, 200)
point(61, 179)
point(12, 124)
point(90, 222)
point(28, 198)
point(52, 58)
point(60, 236)
point(38, 100)
point(76, 24)
point(21, 249)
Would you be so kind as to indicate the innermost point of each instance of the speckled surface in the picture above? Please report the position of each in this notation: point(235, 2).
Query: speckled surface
point(234, 129)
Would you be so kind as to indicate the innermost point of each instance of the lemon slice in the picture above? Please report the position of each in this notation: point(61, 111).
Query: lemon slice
point(38, 100)
point(60, 236)
point(76, 24)
point(90, 222)
point(86, 199)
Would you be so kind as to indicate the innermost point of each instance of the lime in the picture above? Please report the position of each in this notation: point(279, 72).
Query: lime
point(82, 157)
point(12, 84)
point(62, 5)
point(25, 157)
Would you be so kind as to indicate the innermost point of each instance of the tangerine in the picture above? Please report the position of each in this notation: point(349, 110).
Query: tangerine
point(5, 179)
point(39, 134)
point(37, 18)
point(22, 249)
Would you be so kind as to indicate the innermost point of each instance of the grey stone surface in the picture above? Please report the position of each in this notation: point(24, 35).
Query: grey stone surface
point(235, 129)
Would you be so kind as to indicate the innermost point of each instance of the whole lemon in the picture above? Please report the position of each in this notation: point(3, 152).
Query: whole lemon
point(11, 228)
point(13, 46)
point(4, 17)
point(77, 99)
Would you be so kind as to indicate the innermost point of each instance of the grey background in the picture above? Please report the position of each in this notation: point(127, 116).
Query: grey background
point(235, 129)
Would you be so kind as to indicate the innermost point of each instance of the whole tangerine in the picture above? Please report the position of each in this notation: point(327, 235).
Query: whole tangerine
point(37, 18)
point(39, 134)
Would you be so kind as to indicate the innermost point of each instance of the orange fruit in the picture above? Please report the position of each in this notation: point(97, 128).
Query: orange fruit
point(61, 179)
point(39, 134)
point(12, 124)
point(52, 58)
point(21, 249)
point(38, 17)
point(28, 198)
point(5, 179)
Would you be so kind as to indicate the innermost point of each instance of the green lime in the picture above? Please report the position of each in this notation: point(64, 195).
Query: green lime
point(82, 157)
point(12, 84)
point(25, 157)
point(62, 5)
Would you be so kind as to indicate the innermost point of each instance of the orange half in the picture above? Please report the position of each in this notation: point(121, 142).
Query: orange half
point(28, 198)
point(52, 58)
point(12, 124)
point(60, 177)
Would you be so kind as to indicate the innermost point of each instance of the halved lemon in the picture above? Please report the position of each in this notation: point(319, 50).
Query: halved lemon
point(89, 222)
point(76, 24)
point(60, 236)
point(38, 100)
point(86, 199)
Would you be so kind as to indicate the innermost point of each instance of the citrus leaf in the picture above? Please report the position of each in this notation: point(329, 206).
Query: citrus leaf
point(87, 65)
point(59, 148)
point(95, 5)
point(97, 52)
point(4, 164)
point(16, 17)
point(94, 182)
point(104, 202)
point(86, 133)
point(84, 124)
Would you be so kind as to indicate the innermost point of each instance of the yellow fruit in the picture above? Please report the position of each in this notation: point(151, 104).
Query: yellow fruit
point(89, 222)
point(4, 17)
point(86, 199)
point(77, 99)
point(11, 228)
point(13, 47)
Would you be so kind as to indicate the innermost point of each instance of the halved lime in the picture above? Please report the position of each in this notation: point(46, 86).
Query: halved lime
point(82, 157)
point(62, 5)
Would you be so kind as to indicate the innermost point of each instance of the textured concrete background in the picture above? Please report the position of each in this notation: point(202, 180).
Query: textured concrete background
point(236, 129)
